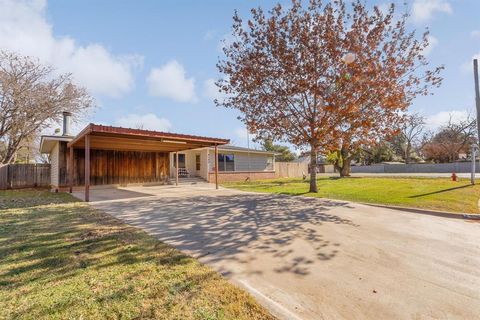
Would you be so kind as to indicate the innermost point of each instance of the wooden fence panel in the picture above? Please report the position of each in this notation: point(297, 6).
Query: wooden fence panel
point(43, 177)
point(17, 176)
point(290, 169)
point(4, 177)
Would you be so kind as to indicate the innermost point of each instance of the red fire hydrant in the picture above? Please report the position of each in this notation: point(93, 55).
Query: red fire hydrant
point(454, 177)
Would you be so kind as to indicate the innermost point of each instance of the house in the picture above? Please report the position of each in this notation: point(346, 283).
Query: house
point(234, 163)
point(106, 155)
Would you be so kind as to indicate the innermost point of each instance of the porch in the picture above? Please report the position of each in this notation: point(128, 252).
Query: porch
point(192, 164)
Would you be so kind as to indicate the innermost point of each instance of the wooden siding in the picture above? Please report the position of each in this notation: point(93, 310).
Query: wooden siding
point(121, 167)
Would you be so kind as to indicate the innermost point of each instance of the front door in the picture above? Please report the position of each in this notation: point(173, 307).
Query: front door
point(181, 161)
point(197, 163)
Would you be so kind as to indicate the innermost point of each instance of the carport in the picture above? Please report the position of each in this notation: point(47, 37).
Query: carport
point(112, 155)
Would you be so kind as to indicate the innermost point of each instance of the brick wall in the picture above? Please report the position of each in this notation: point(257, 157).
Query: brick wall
point(241, 176)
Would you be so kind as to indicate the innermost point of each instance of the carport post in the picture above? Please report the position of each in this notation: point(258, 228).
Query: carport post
point(216, 167)
point(176, 168)
point(70, 169)
point(87, 168)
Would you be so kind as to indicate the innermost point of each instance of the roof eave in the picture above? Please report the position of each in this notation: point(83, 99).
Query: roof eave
point(45, 138)
point(146, 134)
point(244, 150)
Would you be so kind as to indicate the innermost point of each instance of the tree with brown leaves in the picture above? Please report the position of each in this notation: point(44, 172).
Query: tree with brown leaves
point(323, 76)
point(31, 98)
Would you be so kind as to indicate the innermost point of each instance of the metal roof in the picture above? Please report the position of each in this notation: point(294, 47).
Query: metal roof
point(118, 138)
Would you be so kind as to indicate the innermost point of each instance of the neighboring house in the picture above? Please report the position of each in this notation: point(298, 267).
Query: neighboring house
point(120, 156)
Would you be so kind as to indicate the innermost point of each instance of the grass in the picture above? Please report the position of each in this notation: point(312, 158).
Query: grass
point(425, 193)
point(61, 259)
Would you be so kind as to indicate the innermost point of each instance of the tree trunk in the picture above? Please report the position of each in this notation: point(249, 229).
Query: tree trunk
point(345, 170)
point(10, 152)
point(408, 150)
point(313, 170)
point(345, 159)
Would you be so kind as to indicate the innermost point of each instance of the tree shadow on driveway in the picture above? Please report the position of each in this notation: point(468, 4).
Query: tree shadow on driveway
point(238, 228)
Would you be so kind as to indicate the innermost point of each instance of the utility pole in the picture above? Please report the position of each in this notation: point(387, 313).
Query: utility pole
point(477, 104)
point(477, 94)
point(474, 156)
point(248, 147)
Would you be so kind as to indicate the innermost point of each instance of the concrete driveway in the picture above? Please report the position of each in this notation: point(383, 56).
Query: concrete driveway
point(307, 258)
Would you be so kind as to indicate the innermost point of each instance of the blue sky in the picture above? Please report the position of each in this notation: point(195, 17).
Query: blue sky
point(153, 62)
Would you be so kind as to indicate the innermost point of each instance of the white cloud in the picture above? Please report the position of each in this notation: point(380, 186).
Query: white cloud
point(424, 10)
point(210, 34)
point(211, 90)
point(147, 121)
point(170, 81)
point(242, 134)
point(432, 43)
point(439, 119)
point(467, 66)
point(25, 29)
point(244, 139)
point(475, 34)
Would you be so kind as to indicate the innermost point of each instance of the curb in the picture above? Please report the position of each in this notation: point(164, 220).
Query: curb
point(443, 214)
point(471, 216)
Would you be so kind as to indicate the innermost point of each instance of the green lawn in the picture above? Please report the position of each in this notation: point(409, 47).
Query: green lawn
point(427, 193)
point(60, 259)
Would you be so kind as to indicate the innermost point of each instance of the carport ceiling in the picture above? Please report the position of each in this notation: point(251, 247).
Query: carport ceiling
point(125, 139)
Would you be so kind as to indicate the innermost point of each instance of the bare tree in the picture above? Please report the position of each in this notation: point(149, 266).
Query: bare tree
point(31, 98)
point(411, 133)
point(451, 140)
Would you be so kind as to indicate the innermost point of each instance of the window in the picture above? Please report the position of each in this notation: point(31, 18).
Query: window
point(229, 162)
point(226, 162)
point(181, 160)
point(197, 162)
point(270, 163)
